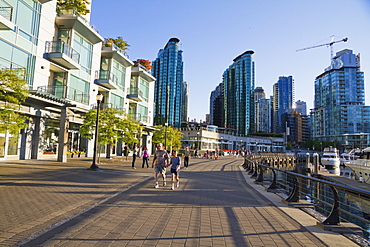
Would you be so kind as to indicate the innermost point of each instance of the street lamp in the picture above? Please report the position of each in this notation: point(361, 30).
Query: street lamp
point(165, 135)
point(94, 166)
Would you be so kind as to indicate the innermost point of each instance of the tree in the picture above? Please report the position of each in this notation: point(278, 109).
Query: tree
point(13, 91)
point(80, 6)
point(173, 138)
point(112, 127)
point(145, 63)
point(119, 42)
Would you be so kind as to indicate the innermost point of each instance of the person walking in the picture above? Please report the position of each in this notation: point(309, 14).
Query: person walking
point(145, 155)
point(160, 161)
point(186, 157)
point(175, 169)
point(125, 151)
point(135, 152)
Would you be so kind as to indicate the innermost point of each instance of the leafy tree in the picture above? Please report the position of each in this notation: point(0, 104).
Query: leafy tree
point(112, 126)
point(13, 91)
point(173, 139)
point(119, 42)
point(80, 6)
point(146, 63)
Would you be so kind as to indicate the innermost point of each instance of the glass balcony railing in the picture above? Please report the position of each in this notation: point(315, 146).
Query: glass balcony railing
point(61, 47)
point(109, 44)
point(136, 91)
point(65, 92)
point(73, 12)
point(106, 75)
point(139, 117)
point(108, 106)
point(6, 10)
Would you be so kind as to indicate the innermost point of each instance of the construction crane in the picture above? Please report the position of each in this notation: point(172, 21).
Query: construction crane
point(327, 44)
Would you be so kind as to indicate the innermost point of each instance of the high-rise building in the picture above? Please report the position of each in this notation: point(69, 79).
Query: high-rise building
point(301, 107)
point(259, 93)
point(263, 115)
point(216, 106)
point(168, 71)
point(239, 80)
point(339, 104)
point(185, 102)
point(283, 98)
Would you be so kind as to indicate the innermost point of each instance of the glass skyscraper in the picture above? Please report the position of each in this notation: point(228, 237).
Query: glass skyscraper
point(283, 98)
point(339, 105)
point(239, 80)
point(168, 98)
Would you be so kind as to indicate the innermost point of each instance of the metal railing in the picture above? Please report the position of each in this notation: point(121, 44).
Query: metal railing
point(6, 10)
point(335, 203)
point(61, 47)
point(62, 91)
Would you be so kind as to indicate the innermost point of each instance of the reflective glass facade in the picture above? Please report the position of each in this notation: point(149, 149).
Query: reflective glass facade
point(168, 71)
point(238, 81)
point(340, 98)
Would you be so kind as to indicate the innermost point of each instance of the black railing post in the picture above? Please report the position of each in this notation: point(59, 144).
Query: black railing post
point(273, 184)
point(333, 218)
point(259, 179)
point(294, 194)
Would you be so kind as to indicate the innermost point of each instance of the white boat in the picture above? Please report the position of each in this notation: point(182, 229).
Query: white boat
point(330, 158)
point(361, 166)
point(350, 156)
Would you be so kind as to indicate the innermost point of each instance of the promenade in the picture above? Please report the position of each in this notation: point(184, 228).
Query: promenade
point(47, 203)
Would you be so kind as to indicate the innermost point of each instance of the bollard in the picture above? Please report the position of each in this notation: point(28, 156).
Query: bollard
point(316, 162)
point(307, 160)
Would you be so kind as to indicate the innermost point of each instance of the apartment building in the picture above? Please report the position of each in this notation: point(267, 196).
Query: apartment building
point(67, 63)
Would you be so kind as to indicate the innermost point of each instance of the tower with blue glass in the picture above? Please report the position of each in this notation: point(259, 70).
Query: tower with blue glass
point(238, 81)
point(168, 71)
point(283, 98)
point(339, 104)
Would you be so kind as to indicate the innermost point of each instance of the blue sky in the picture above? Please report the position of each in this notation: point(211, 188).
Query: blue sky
point(213, 32)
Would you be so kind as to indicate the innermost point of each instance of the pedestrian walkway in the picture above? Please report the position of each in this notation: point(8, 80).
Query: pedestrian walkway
point(45, 203)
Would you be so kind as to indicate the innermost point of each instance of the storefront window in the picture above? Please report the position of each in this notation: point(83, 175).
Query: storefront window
point(51, 136)
point(13, 145)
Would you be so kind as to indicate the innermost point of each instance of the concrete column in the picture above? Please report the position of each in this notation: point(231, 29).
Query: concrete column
point(63, 136)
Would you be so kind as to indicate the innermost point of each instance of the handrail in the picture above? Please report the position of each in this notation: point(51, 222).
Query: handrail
point(295, 191)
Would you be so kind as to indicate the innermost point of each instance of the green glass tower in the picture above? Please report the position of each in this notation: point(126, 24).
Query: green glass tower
point(238, 81)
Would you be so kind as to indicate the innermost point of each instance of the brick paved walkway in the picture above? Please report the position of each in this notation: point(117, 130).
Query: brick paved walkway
point(45, 203)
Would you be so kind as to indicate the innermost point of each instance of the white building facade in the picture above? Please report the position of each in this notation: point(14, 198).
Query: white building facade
point(67, 65)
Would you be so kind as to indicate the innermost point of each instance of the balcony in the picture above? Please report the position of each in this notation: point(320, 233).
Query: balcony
point(69, 19)
point(106, 79)
point(108, 106)
point(139, 117)
point(135, 94)
point(6, 15)
point(62, 54)
point(65, 92)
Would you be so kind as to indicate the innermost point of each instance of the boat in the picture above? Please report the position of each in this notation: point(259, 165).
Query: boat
point(361, 166)
point(330, 158)
point(350, 156)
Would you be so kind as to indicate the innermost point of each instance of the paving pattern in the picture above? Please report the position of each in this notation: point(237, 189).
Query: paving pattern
point(45, 203)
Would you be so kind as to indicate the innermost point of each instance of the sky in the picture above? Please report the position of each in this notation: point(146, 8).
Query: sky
point(213, 32)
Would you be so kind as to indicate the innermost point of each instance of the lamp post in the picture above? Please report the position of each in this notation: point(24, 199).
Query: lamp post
point(241, 144)
point(94, 166)
point(165, 135)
